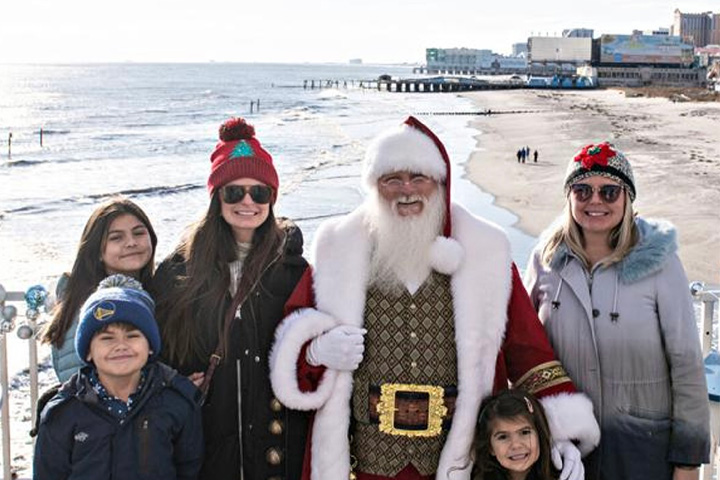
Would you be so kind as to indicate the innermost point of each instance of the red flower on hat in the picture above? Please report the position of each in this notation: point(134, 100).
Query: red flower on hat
point(595, 155)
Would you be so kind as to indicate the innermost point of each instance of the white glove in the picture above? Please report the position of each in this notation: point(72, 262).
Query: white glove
point(566, 457)
point(340, 348)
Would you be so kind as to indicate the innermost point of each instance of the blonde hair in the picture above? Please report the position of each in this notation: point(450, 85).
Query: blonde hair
point(621, 240)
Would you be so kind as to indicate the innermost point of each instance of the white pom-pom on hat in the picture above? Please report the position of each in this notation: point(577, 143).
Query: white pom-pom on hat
point(446, 255)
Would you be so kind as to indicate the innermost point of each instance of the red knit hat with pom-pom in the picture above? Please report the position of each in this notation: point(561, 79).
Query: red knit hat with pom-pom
point(238, 154)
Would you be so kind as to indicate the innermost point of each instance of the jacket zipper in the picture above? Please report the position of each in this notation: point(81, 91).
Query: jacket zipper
point(144, 445)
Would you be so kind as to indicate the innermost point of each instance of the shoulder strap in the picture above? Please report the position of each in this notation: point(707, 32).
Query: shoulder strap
point(230, 316)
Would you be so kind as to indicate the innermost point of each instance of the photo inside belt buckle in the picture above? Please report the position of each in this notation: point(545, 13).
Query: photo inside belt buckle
point(386, 409)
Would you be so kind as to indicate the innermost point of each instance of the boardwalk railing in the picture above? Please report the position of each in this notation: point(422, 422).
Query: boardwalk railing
point(34, 300)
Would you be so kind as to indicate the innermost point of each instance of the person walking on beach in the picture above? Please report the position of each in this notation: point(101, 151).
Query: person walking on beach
point(117, 238)
point(611, 291)
point(124, 414)
point(519, 155)
point(513, 439)
point(220, 295)
point(535, 156)
point(420, 314)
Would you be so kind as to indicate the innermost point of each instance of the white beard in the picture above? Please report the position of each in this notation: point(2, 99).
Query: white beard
point(401, 256)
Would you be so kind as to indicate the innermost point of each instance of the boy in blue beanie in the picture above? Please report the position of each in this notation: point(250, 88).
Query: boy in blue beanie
point(124, 414)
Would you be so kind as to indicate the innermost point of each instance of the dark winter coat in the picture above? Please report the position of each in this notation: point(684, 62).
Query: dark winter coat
point(273, 436)
point(160, 439)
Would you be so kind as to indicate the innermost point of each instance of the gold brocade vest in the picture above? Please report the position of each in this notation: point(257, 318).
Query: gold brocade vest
point(410, 340)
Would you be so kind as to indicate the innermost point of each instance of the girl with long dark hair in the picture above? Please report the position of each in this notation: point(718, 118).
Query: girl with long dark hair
point(220, 295)
point(117, 238)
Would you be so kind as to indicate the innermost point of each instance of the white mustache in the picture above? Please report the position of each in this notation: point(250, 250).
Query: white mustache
point(408, 199)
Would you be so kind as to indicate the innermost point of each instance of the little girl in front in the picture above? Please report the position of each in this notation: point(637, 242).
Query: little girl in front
point(512, 440)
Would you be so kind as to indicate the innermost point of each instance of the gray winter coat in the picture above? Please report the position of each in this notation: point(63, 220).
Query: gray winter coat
point(628, 338)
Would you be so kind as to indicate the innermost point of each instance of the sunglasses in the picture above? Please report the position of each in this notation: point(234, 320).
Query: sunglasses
point(260, 194)
point(584, 192)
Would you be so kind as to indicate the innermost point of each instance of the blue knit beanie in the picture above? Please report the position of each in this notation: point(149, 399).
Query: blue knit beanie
point(118, 298)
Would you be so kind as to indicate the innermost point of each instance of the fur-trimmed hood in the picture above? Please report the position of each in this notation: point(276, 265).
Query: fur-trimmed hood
point(657, 242)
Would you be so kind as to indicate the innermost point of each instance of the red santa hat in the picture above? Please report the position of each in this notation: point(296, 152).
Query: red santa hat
point(413, 147)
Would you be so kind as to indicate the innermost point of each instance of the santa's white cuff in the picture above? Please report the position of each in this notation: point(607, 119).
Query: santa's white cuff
point(290, 337)
point(570, 416)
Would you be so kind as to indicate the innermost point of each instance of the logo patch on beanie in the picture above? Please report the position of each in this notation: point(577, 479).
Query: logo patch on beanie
point(242, 149)
point(104, 311)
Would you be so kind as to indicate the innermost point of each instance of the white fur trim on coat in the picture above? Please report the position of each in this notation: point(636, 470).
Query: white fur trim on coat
point(297, 329)
point(481, 289)
point(570, 416)
point(403, 149)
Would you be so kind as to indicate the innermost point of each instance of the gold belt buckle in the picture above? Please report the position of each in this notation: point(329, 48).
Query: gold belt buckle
point(436, 409)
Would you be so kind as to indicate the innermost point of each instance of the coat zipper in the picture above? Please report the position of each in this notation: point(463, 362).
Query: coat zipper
point(144, 445)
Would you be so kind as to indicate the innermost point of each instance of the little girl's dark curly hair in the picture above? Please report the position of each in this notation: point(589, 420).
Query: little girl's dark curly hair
point(507, 405)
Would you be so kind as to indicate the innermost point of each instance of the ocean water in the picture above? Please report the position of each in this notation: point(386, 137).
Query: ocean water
point(146, 131)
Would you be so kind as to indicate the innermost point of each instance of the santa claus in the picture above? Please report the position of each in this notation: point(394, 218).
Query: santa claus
point(420, 314)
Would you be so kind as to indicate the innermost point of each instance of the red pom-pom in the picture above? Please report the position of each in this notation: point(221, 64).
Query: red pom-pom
point(236, 129)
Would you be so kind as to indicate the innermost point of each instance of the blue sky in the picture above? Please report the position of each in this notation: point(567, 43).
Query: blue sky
point(378, 31)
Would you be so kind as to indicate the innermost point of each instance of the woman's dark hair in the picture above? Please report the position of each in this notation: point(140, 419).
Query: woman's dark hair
point(507, 405)
point(207, 251)
point(88, 269)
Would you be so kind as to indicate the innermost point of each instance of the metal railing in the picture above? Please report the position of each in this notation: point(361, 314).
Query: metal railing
point(34, 299)
point(708, 297)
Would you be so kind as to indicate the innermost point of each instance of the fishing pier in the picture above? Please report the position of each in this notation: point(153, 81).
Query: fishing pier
point(451, 83)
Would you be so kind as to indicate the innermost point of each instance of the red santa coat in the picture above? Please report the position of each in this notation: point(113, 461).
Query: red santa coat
point(498, 338)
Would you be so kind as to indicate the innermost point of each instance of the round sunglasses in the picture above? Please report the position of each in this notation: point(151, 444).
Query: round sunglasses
point(584, 192)
point(260, 194)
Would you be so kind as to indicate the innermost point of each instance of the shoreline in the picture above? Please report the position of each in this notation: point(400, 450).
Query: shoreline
point(672, 147)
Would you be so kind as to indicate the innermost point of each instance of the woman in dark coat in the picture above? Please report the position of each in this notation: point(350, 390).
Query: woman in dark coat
point(220, 295)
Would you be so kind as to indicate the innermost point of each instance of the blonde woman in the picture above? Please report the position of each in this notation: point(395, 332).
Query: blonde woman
point(613, 296)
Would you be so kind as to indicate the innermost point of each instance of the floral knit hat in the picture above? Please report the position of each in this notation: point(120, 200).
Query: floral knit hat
point(601, 159)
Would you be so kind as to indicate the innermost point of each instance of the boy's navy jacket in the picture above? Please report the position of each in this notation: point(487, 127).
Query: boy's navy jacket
point(160, 439)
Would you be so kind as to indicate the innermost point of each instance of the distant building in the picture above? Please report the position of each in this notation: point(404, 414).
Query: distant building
point(548, 55)
point(637, 49)
point(700, 29)
point(519, 49)
point(639, 60)
point(471, 61)
point(578, 33)
point(708, 56)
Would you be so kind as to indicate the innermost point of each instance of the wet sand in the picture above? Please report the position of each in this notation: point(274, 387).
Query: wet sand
point(674, 149)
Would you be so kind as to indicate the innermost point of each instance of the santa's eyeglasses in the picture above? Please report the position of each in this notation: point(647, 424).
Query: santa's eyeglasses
point(396, 182)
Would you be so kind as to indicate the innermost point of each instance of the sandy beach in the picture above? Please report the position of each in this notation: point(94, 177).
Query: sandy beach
point(673, 147)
